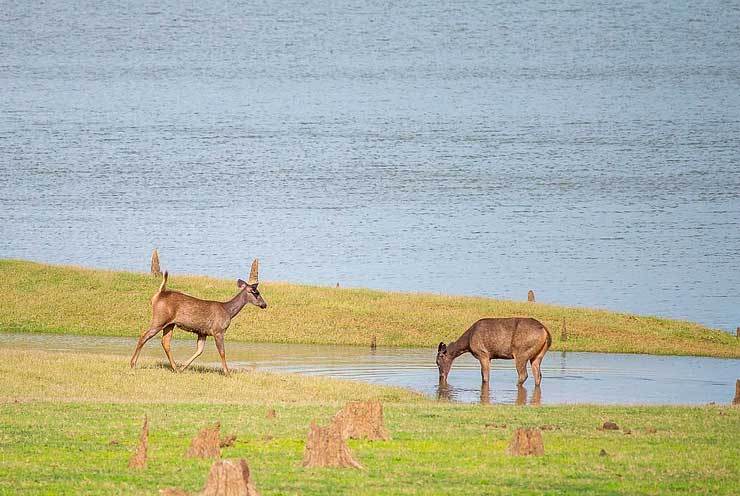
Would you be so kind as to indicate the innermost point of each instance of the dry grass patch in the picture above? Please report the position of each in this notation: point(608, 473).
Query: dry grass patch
point(44, 298)
point(66, 377)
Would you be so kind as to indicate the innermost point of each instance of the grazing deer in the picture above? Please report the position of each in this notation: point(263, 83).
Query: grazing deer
point(521, 339)
point(202, 317)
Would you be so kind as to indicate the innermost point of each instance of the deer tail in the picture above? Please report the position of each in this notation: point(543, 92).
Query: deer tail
point(548, 337)
point(163, 286)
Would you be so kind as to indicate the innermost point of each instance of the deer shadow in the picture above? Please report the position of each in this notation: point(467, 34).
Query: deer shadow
point(193, 369)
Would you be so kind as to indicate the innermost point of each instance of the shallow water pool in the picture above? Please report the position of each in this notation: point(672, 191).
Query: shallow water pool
point(570, 377)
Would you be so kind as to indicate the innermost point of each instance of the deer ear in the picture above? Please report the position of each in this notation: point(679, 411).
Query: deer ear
point(240, 284)
point(442, 348)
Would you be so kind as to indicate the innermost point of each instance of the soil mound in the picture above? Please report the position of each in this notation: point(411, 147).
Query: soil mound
point(228, 441)
point(230, 478)
point(226, 478)
point(138, 461)
point(154, 268)
point(362, 420)
point(206, 444)
point(526, 442)
point(325, 447)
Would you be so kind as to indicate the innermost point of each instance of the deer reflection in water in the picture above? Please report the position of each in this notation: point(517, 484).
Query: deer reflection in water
point(446, 392)
point(521, 396)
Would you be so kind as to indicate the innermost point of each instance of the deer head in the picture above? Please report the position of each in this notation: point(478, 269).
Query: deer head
point(444, 363)
point(250, 288)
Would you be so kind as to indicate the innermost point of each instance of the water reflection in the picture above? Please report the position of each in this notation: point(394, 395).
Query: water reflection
point(536, 396)
point(485, 394)
point(444, 392)
point(447, 392)
point(521, 396)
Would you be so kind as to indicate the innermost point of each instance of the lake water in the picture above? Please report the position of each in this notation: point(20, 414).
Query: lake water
point(589, 151)
point(567, 377)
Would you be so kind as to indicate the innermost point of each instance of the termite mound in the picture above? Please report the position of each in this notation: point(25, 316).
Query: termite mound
point(225, 478)
point(362, 419)
point(138, 461)
point(325, 447)
point(154, 269)
point(207, 443)
point(526, 442)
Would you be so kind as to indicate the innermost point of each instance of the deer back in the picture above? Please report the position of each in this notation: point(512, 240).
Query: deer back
point(190, 313)
point(504, 338)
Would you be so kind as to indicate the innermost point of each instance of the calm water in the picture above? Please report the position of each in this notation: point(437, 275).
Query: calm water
point(589, 151)
point(567, 377)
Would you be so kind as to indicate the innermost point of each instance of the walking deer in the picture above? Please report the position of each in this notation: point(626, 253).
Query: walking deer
point(520, 339)
point(202, 317)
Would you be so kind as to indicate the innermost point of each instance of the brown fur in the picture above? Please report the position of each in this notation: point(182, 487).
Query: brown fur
point(520, 339)
point(202, 317)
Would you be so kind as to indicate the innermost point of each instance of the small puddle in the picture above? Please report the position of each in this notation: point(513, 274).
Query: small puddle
point(602, 378)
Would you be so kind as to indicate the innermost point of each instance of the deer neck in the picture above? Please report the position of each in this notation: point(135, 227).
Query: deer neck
point(235, 305)
point(457, 348)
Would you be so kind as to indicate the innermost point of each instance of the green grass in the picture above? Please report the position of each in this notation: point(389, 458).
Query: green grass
point(71, 300)
point(60, 412)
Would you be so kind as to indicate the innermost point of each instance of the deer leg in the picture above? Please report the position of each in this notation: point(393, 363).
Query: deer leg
point(536, 370)
point(145, 336)
point(219, 338)
point(521, 369)
point(198, 350)
point(536, 361)
point(485, 368)
point(166, 338)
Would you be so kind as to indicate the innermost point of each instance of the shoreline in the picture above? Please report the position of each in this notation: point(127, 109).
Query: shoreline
point(191, 338)
point(303, 314)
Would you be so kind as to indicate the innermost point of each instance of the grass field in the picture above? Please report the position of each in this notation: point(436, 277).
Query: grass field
point(60, 412)
point(69, 423)
point(70, 300)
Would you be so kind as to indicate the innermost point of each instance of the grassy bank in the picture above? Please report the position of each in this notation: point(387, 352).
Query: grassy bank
point(64, 377)
point(70, 300)
point(59, 414)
